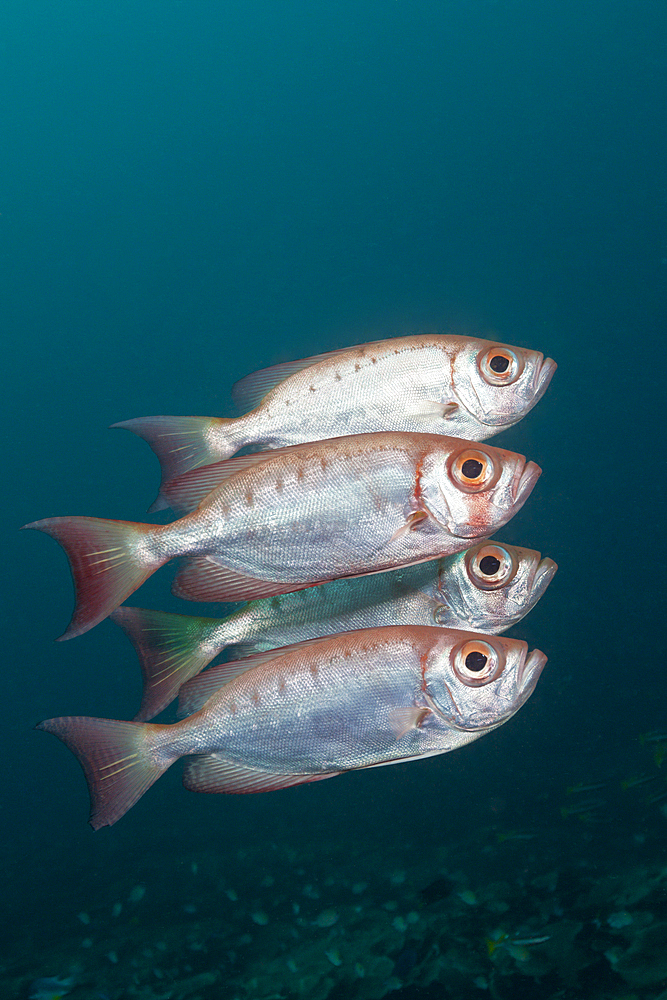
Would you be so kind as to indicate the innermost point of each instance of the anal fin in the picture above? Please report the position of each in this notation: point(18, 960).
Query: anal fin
point(214, 775)
point(204, 579)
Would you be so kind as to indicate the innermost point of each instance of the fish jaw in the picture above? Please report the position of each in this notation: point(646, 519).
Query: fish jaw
point(544, 574)
point(543, 376)
point(529, 674)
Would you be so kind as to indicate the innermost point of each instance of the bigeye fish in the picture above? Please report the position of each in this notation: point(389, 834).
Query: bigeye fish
point(356, 700)
point(435, 383)
point(288, 519)
point(488, 588)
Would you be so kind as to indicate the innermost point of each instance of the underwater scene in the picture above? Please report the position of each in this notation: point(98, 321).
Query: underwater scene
point(378, 290)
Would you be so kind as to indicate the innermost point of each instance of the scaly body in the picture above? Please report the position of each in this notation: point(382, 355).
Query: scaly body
point(357, 700)
point(285, 520)
point(432, 383)
point(488, 588)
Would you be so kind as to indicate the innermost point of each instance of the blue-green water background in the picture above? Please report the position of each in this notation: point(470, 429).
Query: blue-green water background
point(191, 191)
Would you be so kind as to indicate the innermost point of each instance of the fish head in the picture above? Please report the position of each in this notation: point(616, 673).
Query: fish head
point(472, 489)
point(490, 586)
point(497, 384)
point(476, 682)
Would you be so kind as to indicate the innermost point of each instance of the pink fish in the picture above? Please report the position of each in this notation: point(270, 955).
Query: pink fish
point(311, 711)
point(433, 383)
point(279, 521)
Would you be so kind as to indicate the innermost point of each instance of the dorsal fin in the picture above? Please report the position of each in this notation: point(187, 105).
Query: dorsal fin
point(217, 776)
point(196, 692)
point(187, 491)
point(249, 391)
point(203, 579)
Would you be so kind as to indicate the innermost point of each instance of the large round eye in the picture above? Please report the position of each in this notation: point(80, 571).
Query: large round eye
point(477, 662)
point(500, 365)
point(490, 566)
point(473, 470)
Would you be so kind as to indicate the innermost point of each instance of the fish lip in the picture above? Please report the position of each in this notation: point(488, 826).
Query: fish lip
point(543, 375)
point(529, 674)
point(544, 574)
point(524, 481)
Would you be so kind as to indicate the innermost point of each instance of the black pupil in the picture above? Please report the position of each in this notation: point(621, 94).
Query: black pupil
point(489, 565)
point(499, 364)
point(476, 661)
point(472, 469)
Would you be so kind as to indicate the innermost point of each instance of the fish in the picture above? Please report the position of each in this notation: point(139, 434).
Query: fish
point(283, 520)
point(311, 711)
point(433, 383)
point(486, 588)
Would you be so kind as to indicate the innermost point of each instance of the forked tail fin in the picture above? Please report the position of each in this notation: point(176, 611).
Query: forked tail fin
point(107, 560)
point(119, 760)
point(184, 443)
point(171, 650)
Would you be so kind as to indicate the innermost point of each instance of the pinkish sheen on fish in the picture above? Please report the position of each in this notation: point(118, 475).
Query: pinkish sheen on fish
point(311, 711)
point(431, 383)
point(279, 521)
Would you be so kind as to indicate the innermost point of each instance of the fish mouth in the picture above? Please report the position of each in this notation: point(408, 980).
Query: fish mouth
point(524, 481)
point(544, 574)
point(543, 376)
point(529, 674)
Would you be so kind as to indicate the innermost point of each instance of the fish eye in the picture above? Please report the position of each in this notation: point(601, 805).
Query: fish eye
point(477, 662)
point(500, 366)
point(490, 566)
point(473, 470)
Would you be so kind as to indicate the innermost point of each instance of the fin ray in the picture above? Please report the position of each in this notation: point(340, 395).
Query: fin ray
point(116, 759)
point(101, 584)
point(213, 775)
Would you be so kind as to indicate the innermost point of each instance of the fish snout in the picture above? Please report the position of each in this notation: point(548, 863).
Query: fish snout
point(544, 574)
point(543, 375)
point(524, 481)
point(529, 674)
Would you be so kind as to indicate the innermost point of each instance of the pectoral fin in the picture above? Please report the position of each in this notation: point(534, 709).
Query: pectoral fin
point(431, 408)
point(403, 720)
point(412, 521)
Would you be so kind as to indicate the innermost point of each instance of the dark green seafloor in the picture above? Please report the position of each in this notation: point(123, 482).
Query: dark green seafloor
point(513, 914)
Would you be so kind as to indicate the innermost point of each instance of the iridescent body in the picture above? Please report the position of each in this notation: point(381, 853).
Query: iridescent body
point(284, 520)
point(488, 588)
point(433, 383)
point(356, 700)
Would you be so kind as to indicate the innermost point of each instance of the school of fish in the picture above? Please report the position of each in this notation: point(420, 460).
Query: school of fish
point(359, 538)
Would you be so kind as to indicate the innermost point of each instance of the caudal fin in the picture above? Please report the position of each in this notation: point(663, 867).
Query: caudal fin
point(107, 560)
point(118, 760)
point(184, 443)
point(171, 650)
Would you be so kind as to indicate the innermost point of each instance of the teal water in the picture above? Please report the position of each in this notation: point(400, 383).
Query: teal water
point(191, 191)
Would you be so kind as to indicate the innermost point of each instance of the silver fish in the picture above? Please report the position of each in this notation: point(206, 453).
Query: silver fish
point(488, 588)
point(284, 520)
point(311, 711)
point(433, 383)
